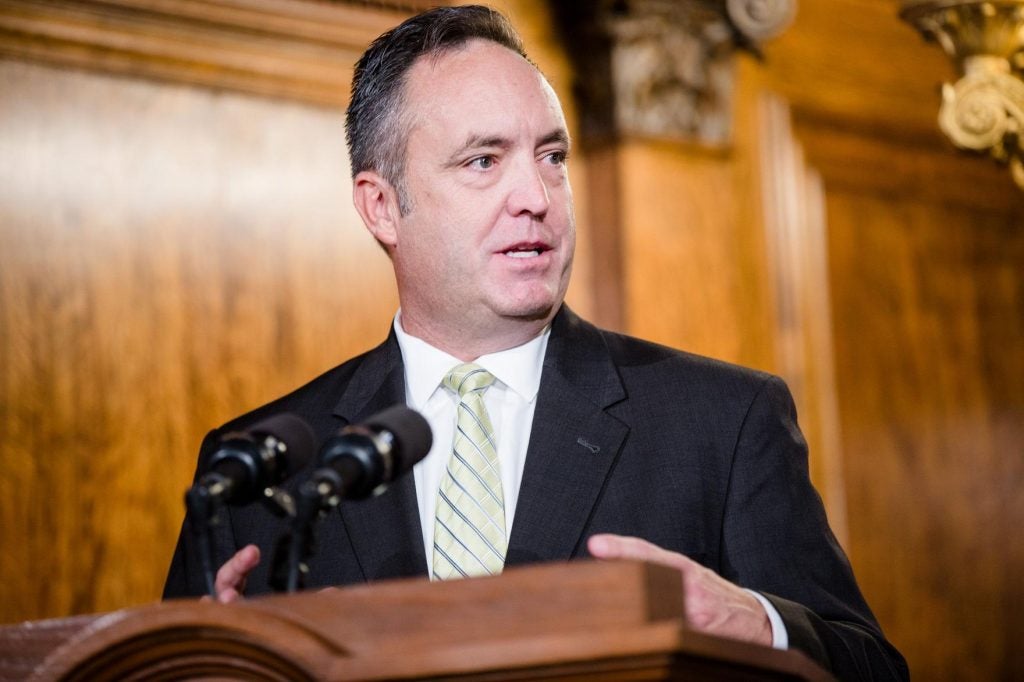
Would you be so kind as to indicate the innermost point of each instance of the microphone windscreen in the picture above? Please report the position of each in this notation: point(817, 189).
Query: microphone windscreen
point(296, 435)
point(411, 431)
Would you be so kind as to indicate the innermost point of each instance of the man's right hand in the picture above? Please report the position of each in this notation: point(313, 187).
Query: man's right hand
point(230, 581)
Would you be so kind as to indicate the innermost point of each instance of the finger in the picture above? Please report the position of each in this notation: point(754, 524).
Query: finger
point(231, 576)
point(609, 546)
point(229, 595)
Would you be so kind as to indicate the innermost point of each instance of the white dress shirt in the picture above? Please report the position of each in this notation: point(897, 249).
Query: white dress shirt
point(510, 402)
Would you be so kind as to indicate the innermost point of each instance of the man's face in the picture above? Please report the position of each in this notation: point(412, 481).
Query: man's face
point(490, 234)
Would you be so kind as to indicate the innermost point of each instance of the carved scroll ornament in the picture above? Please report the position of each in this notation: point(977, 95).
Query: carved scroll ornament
point(984, 110)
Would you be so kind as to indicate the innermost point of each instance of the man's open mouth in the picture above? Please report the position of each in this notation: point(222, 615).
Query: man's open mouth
point(526, 250)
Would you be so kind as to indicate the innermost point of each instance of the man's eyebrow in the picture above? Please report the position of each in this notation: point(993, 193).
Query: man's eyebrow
point(476, 141)
point(559, 136)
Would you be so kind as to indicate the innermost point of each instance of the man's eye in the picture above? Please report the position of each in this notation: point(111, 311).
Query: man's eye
point(482, 162)
point(556, 158)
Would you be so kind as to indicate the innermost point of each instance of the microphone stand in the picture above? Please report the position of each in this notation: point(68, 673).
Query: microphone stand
point(204, 501)
point(202, 506)
point(315, 496)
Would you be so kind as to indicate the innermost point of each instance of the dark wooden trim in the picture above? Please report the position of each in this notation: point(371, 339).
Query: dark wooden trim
point(295, 49)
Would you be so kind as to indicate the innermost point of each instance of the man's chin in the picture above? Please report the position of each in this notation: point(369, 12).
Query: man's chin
point(531, 311)
point(527, 301)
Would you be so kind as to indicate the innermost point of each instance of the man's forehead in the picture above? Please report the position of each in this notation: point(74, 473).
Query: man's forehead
point(474, 49)
point(477, 91)
point(475, 63)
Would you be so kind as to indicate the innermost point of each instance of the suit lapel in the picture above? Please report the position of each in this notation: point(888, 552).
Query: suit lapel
point(574, 443)
point(384, 531)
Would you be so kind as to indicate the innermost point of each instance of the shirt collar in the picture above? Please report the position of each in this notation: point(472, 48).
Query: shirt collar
point(518, 368)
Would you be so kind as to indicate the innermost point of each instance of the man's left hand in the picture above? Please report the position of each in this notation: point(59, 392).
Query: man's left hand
point(712, 604)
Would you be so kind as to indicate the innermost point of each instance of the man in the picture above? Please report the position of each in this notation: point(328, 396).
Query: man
point(591, 442)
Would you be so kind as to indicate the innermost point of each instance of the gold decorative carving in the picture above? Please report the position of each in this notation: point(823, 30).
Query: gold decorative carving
point(662, 68)
point(758, 20)
point(670, 75)
point(984, 110)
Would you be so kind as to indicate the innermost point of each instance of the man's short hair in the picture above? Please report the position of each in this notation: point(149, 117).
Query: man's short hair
point(376, 124)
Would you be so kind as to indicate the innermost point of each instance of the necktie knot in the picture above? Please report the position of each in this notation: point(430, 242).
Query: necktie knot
point(468, 378)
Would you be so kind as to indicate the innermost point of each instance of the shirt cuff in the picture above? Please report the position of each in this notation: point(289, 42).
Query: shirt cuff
point(780, 638)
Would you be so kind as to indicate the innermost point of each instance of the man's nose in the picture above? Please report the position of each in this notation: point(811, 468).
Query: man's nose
point(529, 192)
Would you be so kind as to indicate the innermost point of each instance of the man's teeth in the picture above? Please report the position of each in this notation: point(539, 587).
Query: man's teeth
point(523, 254)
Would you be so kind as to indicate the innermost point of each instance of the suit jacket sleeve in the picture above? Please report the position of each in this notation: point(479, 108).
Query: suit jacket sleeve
point(776, 540)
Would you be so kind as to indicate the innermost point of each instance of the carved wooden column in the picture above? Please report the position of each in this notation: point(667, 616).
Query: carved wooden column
point(651, 70)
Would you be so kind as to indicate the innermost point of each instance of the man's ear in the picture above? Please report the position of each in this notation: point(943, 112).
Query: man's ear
point(376, 201)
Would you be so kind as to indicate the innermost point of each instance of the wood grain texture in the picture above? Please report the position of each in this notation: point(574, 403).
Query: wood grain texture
point(297, 50)
point(694, 262)
point(929, 321)
point(855, 64)
point(170, 257)
point(588, 620)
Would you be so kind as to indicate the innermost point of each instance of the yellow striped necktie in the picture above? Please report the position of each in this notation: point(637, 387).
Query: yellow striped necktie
point(469, 526)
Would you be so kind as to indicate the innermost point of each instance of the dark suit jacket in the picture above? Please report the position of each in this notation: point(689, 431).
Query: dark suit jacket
point(697, 456)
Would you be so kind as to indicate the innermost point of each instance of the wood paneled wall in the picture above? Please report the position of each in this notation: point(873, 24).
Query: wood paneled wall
point(170, 257)
point(930, 309)
point(926, 270)
point(922, 258)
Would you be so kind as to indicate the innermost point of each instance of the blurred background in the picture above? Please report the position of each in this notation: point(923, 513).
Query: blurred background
point(177, 246)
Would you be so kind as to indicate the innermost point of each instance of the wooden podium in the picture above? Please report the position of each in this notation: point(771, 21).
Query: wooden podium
point(579, 621)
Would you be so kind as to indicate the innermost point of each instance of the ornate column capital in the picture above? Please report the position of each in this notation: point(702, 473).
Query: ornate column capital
point(984, 110)
point(663, 68)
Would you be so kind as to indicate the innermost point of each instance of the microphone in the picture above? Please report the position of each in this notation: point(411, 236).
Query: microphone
point(362, 459)
point(246, 464)
point(359, 460)
point(245, 467)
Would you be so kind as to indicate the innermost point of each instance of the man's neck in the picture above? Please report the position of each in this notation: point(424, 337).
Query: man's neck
point(468, 343)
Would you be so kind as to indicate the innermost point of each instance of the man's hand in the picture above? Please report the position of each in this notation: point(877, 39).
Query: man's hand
point(230, 581)
point(712, 604)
